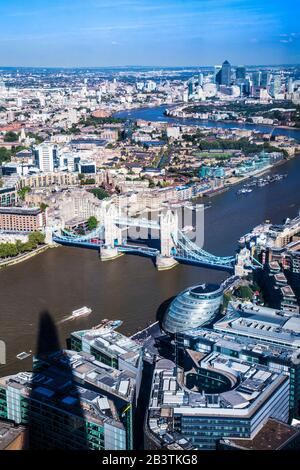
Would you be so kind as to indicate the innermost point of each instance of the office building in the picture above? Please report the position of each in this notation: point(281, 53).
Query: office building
point(89, 409)
point(69, 161)
point(213, 398)
point(87, 168)
point(280, 327)
point(276, 86)
point(212, 171)
point(191, 87)
point(256, 79)
point(217, 74)
point(194, 307)
point(8, 197)
point(240, 73)
point(8, 169)
point(274, 435)
point(46, 157)
point(111, 348)
point(258, 350)
point(226, 73)
point(265, 79)
point(13, 437)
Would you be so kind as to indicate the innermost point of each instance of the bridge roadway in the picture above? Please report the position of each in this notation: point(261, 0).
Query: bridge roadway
point(179, 255)
point(132, 222)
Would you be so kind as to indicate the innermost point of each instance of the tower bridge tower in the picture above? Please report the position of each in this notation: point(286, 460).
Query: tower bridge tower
point(113, 234)
point(168, 232)
point(168, 240)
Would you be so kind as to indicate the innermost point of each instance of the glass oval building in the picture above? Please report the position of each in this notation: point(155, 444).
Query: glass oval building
point(193, 307)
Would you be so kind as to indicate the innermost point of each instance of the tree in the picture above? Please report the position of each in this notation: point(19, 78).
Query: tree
point(92, 223)
point(23, 191)
point(5, 155)
point(151, 183)
point(9, 250)
point(43, 206)
point(100, 193)
point(244, 292)
point(36, 238)
point(226, 299)
point(11, 136)
point(36, 137)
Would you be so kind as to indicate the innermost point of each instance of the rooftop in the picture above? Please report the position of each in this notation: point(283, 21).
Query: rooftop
point(111, 342)
point(239, 343)
point(279, 326)
point(9, 433)
point(193, 307)
point(205, 289)
point(20, 210)
point(78, 383)
point(251, 386)
point(274, 435)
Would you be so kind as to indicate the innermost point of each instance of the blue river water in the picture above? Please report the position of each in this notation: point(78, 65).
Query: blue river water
point(157, 114)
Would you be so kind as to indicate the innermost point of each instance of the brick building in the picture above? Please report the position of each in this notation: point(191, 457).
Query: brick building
point(21, 219)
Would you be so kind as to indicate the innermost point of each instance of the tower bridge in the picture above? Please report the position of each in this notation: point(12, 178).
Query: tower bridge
point(175, 245)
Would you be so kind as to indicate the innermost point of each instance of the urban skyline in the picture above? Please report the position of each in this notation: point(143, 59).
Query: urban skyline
point(149, 229)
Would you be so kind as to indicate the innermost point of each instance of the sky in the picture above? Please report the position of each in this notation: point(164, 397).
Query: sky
point(96, 33)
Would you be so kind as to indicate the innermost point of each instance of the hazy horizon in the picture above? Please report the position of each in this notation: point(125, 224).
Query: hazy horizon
point(137, 66)
point(167, 33)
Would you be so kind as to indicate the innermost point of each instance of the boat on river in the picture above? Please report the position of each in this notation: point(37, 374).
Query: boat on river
point(81, 312)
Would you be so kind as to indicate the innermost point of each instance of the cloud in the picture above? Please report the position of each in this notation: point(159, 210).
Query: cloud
point(288, 38)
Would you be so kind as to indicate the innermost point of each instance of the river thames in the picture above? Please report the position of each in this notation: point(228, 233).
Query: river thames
point(129, 288)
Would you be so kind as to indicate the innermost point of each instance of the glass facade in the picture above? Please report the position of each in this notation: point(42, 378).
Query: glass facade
point(205, 431)
point(193, 307)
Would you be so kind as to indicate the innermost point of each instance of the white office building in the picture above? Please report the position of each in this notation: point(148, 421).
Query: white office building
point(45, 154)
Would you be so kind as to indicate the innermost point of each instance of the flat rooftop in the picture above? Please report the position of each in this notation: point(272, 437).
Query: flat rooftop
point(33, 211)
point(278, 326)
point(252, 383)
point(112, 342)
point(8, 433)
point(89, 141)
point(273, 436)
point(240, 343)
point(7, 190)
point(78, 383)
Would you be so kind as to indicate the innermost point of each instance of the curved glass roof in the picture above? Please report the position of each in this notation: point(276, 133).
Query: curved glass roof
point(193, 307)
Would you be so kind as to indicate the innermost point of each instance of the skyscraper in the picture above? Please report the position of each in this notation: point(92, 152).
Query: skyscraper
point(226, 73)
point(276, 88)
point(191, 87)
point(46, 157)
point(265, 79)
point(256, 78)
point(240, 73)
point(217, 74)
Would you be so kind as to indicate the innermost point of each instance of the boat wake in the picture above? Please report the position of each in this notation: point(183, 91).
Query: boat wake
point(83, 311)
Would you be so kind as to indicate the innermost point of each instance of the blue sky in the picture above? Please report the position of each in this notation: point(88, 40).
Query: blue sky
point(148, 32)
